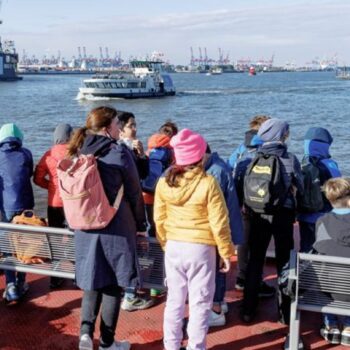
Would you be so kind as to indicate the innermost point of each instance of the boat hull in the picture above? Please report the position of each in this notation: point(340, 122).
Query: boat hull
point(130, 95)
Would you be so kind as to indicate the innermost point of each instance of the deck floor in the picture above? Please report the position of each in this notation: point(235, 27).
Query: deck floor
point(49, 320)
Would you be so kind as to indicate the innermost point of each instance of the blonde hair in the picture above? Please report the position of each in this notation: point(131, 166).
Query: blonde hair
point(256, 122)
point(337, 191)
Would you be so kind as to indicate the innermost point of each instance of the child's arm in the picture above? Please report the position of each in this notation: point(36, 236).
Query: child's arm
point(159, 215)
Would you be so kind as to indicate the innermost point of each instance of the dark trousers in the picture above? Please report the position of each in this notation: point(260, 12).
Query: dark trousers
point(220, 282)
point(263, 227)
point(307, 236)
point(109, 297)
point(55, 217)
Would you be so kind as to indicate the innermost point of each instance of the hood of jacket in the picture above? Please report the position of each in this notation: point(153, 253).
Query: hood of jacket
point(319, 134)
point(333, 235)
point(276, 148)
point(187, 185)
point(97, 145)
point(158, 140)
point(214, 159)
point(10, 143)
point(248, 136)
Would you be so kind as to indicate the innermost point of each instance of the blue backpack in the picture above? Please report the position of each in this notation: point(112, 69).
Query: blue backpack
point(159, 160)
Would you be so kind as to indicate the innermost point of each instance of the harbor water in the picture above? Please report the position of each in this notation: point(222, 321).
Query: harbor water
point(218, 106)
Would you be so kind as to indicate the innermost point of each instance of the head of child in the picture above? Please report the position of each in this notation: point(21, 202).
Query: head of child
point(189, 150)
point(256, 121)
point(337, 191)
point(128, 127)
point(169, 128)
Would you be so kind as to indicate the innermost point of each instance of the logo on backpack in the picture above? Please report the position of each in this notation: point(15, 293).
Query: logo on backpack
point(85, 203)
point(159, 160)
point(264, 187)
point(311, 201)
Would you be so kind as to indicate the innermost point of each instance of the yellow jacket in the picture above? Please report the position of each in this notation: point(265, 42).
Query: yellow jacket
point(195, 211)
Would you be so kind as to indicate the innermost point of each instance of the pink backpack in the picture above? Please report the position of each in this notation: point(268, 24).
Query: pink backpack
point(85, 203)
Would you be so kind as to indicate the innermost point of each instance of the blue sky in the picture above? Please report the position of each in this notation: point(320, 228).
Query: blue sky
point(295, 31)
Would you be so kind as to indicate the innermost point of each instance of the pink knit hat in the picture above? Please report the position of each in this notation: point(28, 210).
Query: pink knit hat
point(189, 147)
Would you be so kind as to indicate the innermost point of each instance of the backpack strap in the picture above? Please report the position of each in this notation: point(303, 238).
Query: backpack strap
point(119, 197)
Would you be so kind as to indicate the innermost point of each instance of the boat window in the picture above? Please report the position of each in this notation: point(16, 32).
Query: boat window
point(132, 85)
point(143, 84)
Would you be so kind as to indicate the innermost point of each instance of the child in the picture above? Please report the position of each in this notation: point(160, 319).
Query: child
point(332, 238)
point(191, 220)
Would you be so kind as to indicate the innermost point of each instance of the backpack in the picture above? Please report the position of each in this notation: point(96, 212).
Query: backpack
point(159, 160)
point(85, 203)
point(264, 187)
point(311, 201)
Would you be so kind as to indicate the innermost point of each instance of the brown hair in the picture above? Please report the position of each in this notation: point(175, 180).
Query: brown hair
point(169, 128)
point(98, 118)
point(176, 172)
point(337, 191)
point(256, 122)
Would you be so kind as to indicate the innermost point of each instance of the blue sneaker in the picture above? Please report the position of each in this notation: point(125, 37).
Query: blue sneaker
point(11, 292)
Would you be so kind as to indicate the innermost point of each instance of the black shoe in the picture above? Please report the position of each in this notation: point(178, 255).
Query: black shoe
point(246, 317)
point(56, 282)
point(331, 335)
point(239, 284)
point(266, 291)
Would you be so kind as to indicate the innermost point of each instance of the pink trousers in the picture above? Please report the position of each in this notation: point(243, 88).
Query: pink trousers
point(190, 270)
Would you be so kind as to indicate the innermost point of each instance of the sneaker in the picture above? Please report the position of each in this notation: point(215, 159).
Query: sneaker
point(345, 336)
point(136, 303)
point(155, 292)
point(224, 307)
point(216, 320)
point(118, 345)
point(330, 334)
point(11, 293)
point(85, 342)
point(239, 284)
point(266, 291)
point(22, 288)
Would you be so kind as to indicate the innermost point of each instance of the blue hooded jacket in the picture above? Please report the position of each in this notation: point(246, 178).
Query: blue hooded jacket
point(316, 145)
point(217, 167)
point(16, 169)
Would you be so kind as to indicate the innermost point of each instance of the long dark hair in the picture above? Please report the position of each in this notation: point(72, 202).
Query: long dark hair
point(175, 173)
point(98, 118)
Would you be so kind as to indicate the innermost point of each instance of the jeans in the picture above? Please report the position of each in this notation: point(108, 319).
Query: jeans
point(220, 282)
point(331, 320)
point(109, 297)
point(12, 276)
point(263, 227)
point(307, 236)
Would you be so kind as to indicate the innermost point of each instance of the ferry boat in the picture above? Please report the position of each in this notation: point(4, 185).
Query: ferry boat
point(343, 74)
point(147, 79)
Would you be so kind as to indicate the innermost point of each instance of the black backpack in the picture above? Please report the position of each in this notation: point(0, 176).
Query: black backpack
point(311, 201)
point(264, 188)
point(159, 160)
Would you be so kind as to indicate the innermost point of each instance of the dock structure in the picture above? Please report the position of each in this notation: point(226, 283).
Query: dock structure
point(50, 319)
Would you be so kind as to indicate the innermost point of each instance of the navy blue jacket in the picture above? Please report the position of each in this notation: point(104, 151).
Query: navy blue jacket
point(16, 169)
point(216, 167)
point(108, 256)
point(316, 145)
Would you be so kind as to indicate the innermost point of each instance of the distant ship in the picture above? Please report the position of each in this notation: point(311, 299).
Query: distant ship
point(8, 61)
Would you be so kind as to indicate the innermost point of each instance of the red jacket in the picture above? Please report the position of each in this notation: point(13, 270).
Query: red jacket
point(45, 174)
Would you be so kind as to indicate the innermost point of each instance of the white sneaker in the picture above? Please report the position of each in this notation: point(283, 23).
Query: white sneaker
point(216, 320)
point(85, 342)
point(224, 307)
point(118, 345)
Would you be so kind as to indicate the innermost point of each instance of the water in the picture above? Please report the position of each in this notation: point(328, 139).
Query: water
point(218, 106)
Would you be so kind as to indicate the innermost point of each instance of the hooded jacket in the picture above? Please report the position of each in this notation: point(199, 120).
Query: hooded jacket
point(195, 211)
point(45, 175)
point(317, 142)
point(216, 167)
point(155, 141)
point(108, 256)
point(16, 169)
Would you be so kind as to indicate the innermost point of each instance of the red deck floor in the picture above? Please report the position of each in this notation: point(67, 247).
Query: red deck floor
point(49, 320)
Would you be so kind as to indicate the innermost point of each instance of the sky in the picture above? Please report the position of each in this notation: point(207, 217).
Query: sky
point(293, 31)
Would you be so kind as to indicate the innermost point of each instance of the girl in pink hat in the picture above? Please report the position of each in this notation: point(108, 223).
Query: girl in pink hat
point(192, 222)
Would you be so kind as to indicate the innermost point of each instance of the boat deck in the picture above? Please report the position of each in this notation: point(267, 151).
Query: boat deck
point(49, 320)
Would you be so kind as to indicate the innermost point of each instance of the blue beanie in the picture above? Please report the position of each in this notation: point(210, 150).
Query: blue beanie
point(273, 130)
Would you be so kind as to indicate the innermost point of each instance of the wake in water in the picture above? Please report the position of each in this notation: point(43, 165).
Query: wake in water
point(82, 97)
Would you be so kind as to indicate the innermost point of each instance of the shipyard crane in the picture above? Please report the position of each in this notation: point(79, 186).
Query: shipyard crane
point(79, 53)
point(84, 53)
point(200, 56)
point(192, 63)
point(0, 11)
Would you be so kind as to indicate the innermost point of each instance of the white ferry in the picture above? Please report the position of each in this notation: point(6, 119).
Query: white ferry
point(148, 79)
